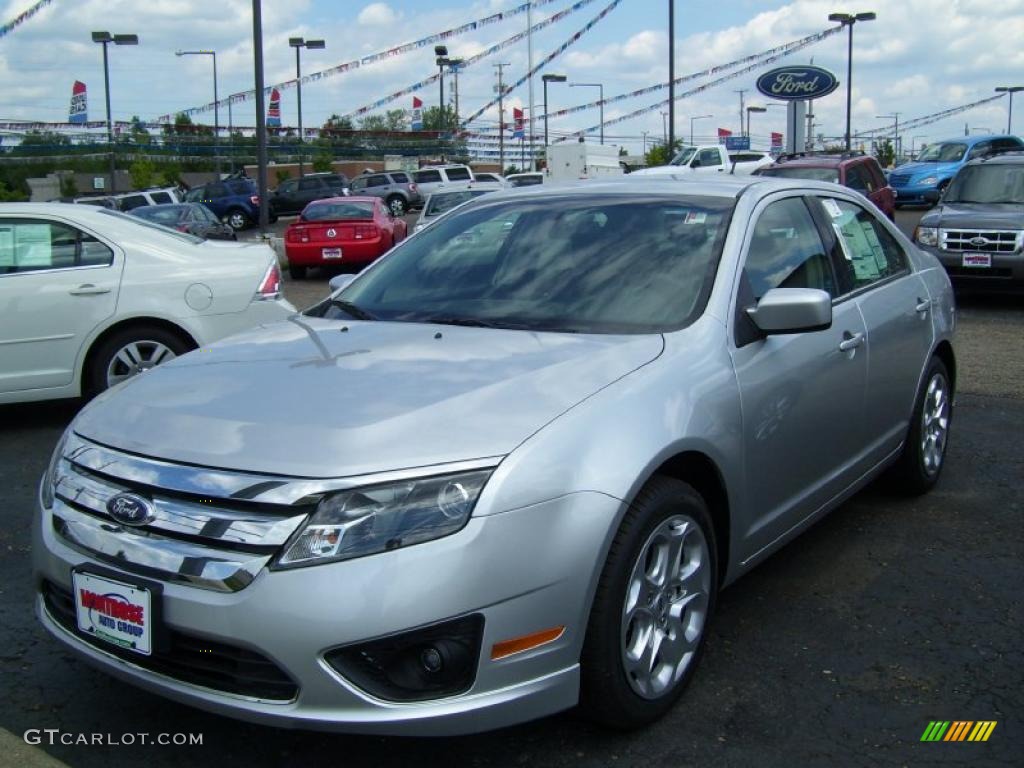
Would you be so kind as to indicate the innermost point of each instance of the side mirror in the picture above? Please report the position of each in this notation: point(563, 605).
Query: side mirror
point(792, 310)
point(932, 196)
point(340, 281)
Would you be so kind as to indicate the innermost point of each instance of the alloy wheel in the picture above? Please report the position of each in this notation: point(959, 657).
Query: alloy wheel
point(135, 357)
point(934, 424)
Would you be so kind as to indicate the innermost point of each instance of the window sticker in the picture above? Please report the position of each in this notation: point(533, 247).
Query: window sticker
point(831, 207)
point(696, 217)
point(32, 245)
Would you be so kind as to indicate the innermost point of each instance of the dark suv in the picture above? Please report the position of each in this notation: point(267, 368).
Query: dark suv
point(977, 230)
point(395, 188)
point(235, 201)
point(292, 195)
point(855, 170)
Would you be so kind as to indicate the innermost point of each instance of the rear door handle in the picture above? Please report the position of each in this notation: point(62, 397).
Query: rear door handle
point(88, 289)
point(923, 305)
point(851, 341)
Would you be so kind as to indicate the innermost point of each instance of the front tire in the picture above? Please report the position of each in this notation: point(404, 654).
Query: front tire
point(397, 205)
point(130, 352)
point(655, 596)
point(918, 468)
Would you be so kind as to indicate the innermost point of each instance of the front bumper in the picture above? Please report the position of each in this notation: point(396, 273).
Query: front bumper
point(524, 571)
point(913, 194)
point(1007, 270)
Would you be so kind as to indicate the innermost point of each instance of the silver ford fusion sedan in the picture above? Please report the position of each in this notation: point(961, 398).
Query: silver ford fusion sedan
point(508, 468)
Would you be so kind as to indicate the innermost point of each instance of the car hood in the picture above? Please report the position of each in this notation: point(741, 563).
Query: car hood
point(976, 216)
point(660, 170)
point(926, 169)
point(321, 398)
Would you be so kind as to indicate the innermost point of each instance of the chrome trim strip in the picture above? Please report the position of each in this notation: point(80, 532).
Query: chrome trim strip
point(226, 484)
point(169, 559)
point(219, 526)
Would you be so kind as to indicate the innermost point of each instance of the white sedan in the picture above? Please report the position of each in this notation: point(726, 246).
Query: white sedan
point(90, 297)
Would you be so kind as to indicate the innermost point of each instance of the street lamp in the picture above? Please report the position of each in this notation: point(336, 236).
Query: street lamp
point(896, 131)
point(454, 65)
point(753, 109)
point(848, 20)
point(600, 104)
point(1010, 89)
point(441, 52)
point(104, 39)
point(298, 43)
point(698, 117)
point(216, 107)
point(549, 79)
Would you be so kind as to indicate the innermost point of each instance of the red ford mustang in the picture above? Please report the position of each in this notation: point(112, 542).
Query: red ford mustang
point(341, 230)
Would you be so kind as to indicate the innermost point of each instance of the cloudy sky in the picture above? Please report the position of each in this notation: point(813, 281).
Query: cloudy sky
point(918, 57)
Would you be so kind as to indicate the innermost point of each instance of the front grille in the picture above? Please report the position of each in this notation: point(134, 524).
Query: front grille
point(899, 179)
point(979, 241)
point(188, 659)
point(989, 272)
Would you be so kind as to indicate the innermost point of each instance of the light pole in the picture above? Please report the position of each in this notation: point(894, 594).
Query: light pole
point(670, 140)
point(753, 109)
point(848, 20)
point(600, 104)
point(549, 79)
point(104, 39)
point(441, 54)
point(261, 115)
point(644, 133)
point(664, 128)
point(298, 44)
point(216, 106)
point(698, 117)
point(896, 132)
point(454, 65)
point(1010, 89)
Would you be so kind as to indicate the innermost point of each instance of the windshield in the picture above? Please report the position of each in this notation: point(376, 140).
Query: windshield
point(161, 214)
point(159, 228)
point(439, 203)
point(595, 264)
point(337, 211)
point(987, 184)
point(683, 158)
point(950, 152)
point(795, 172)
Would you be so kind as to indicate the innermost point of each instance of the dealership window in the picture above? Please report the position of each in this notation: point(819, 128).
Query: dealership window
point(29, 245)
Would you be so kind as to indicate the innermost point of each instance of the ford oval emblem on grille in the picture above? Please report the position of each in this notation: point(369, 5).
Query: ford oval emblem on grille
point(977, 242)
point(130, 509)
point(332, 233)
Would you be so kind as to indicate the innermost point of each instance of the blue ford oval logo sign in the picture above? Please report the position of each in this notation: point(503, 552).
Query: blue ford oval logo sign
point(797, 83)
point(130, 509)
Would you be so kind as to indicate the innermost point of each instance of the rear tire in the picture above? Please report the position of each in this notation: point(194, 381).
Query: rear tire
point(918, 468)
point(296, 272)
point(397, 205)
point(653, 602)
point(129, 352)
point(237, 219)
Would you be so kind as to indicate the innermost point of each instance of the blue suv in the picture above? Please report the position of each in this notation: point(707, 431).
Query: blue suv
point(236, 201)
point(938, 163)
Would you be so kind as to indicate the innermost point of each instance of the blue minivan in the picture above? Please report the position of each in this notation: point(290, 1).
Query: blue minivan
point(938, 163)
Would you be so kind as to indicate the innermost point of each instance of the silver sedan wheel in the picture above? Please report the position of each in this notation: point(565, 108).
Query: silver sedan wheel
point(135, 357)
point(666, 606)
point(934, 424)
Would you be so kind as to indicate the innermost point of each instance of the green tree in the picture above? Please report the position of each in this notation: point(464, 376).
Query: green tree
point(143, 173)
point(323, 162)
point(338, 123)
point(885, 153)
point(373, 123)
point(436, 120)
point(137, 131)
point(11, 195)
point(660, 154)
point(68, 185)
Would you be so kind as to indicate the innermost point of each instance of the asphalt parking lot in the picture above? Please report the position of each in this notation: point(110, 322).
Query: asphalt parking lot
point(837, 651)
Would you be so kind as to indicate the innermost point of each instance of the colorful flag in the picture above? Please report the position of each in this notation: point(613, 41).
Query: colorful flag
point(518, 131)
point(776, 139)
point(274, 110)
point(417, 114)
point(78, 113)
point(723, 134)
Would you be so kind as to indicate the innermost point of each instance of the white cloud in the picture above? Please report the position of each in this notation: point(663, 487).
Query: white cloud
point(377, 15)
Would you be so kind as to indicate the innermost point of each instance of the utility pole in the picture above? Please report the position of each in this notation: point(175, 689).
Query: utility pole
point(741, 91)
point(529, 65)
point(501, 116)
point(261, 115)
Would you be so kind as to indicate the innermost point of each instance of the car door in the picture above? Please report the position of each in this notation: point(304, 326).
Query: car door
point(284, 200)
point(802, 394)
point(874, 272)
point(377, 185)
point(708, 160)
point(57, 283)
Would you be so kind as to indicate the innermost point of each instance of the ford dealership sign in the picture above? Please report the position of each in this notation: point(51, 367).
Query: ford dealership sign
point(795, 83)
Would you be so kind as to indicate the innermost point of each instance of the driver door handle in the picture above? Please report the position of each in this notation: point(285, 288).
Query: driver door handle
point(923, 305)
point(851, 341)
point(88, 289)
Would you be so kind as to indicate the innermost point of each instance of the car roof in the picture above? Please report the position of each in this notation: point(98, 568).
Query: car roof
point(820, 161)
point(96, 217)
point(974, 139)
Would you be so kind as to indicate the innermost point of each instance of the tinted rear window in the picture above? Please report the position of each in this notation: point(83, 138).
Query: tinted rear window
point(459, 174)
point(400, 178)
point(337, 211)
point(798, 172)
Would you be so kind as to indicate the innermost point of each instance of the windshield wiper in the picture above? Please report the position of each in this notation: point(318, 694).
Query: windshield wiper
point(477, 322)
point(352, 309)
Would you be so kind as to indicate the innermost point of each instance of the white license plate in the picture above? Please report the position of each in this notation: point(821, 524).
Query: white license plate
point(977, 260)
point(118, 613)
point(331, 253)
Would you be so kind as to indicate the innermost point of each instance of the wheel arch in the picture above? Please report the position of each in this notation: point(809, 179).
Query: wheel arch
point(944, 351)
point(122, 325)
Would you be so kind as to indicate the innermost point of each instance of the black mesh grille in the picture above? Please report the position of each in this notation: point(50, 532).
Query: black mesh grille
point(190, 659)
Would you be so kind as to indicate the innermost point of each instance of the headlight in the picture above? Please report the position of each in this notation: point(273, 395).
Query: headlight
point(927, 236)
point(50, 477)
point(365, 521)
point(929, 180)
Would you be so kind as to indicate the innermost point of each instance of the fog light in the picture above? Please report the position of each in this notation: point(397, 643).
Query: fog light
point(427, 663)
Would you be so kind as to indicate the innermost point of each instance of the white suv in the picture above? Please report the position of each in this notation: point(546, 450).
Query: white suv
point(433, 178)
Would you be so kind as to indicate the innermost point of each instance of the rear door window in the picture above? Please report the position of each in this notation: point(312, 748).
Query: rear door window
point(377, 181)
point(161, 198)
point(400, 178)
point(458, 174)
point(858, 179)
point(130, 202)
point(427, 177)
point(868, 253)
